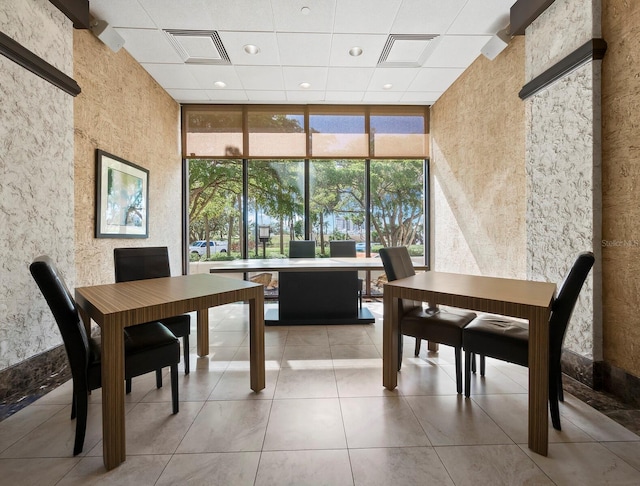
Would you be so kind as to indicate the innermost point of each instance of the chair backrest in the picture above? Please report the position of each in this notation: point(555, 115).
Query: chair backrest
point(302, 249)
point(566, 300)
point(342, 248)
point(65, 312)
point(141, 263)
point(397, 264)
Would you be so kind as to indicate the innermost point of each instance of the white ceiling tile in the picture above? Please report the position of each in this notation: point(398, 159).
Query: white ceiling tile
point(235, 95)
point(293, 76)
point(206, 75)
point(249, 15)
point(188, 95)
point(234, 43)
point(304, 49)
point(266, 96)
point(482, 17)
point(147, 45)
point(185, 14)
point(289, 17)
point(371, 45)
point(456, 51)
point(422, 97)
point(121, 13)
point(382, 96)
point(172, 76)
point(434, 79)
point(426, 16)
point(343, 96)
point(261, 78)
point(305, 96)
point(365, 16)
point(400, 78)
point(348, 79)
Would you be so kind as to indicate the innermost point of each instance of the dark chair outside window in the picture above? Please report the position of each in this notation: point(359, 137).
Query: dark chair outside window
point(508, 340)
point(147, 347)
point(346, 249)
point(152, 262)
point(302, 249)
point(433, 324)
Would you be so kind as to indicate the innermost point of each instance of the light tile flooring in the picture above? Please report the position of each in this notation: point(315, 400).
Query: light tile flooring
point(324, 418)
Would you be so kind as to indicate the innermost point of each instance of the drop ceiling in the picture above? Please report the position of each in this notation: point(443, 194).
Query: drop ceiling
point(412, 50)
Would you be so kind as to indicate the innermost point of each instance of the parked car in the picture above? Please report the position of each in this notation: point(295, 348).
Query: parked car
point(200, 247)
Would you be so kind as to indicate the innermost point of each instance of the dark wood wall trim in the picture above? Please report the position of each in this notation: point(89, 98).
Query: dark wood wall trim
point(524, 12)
point(76, 10)
point(28, 60)
point(593, 49)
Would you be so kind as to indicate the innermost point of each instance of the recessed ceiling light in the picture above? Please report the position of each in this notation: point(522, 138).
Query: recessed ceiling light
point(251, 49)
point(305, 85)
point(220, 84)
point(355, 51)
point(387, 86)
point(305, 10)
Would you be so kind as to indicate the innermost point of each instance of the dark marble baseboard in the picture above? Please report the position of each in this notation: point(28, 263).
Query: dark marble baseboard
point(603, 376)
point(27, 381)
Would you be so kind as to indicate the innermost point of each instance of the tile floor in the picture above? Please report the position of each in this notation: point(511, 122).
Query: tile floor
point(324, 418)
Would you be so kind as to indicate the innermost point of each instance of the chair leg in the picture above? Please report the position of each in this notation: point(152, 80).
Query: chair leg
point(73, 403)
point(473, 363)
point(185, 343)
point(82, 403)
point(469, 358)
point(560, 388)
point(159, 378)
point(418, 342)
point(482, 365)
point(174, 387)
point(458, 352)
point(400, 336)
point(128, 382)
point(554, 407)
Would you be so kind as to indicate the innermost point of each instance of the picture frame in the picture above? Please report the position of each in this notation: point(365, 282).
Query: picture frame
point(122, 198)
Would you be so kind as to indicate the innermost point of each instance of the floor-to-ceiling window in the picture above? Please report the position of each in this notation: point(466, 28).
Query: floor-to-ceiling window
point(259, 176)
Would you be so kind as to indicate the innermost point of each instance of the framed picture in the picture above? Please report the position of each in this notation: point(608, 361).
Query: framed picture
point(122, 198)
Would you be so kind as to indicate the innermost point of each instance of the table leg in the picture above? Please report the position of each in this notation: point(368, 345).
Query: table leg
point(390, 340)
point(539, 381)
point(256, 340)
point(203, 332)
point(113, 430)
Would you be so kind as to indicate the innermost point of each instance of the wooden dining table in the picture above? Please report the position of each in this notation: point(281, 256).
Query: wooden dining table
point(508, 297)
point(116, 306)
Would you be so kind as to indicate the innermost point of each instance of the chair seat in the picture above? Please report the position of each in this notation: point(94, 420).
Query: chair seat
point(180, 325)
point(148, 347)
point(498, 337)
point(442, 326)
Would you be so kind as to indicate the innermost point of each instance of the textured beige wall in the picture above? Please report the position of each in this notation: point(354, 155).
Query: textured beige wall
point(621, 179)
point(477, 136)
point(123, 111)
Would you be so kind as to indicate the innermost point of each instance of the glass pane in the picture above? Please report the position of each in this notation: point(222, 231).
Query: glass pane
point(276, 133)
point(399, 136)
point(276, 201)
point(215, 202)
point(338, 135)
point(213, 133)
point(337, 210)
point(397, 208)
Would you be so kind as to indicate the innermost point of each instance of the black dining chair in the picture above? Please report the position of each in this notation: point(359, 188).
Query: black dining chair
point(433, 324)
point(508, 340)
point(152, 262)
point(346, 249)
point(147, 347)
point(302, 249)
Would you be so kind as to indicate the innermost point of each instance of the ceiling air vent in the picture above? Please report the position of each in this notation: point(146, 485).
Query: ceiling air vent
point(407, 50)
point(198, 46)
